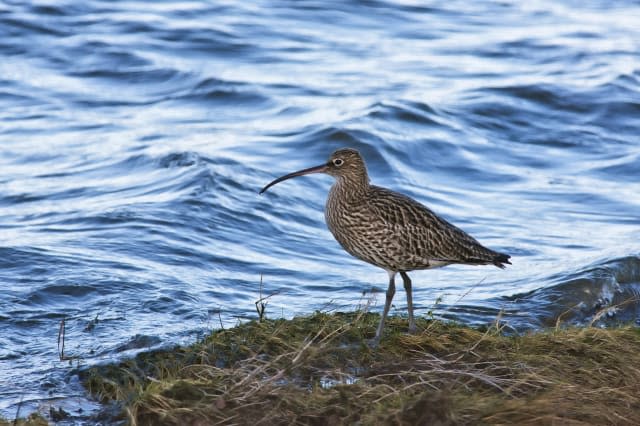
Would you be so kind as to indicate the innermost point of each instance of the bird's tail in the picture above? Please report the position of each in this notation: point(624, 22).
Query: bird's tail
point(501, 260)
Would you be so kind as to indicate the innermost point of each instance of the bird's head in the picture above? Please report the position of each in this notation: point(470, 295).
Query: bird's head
point(344, 163)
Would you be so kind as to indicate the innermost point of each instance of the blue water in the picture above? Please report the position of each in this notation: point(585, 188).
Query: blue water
point(134, 137)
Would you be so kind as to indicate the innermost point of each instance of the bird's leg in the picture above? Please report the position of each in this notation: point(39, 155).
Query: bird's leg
point(407, 288)
point(387, 304)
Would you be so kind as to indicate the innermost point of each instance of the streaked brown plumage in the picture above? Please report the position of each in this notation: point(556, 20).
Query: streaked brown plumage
point(391, 230)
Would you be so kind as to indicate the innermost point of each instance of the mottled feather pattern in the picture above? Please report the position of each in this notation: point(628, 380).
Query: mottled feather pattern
point(390, 230)
point(395, 232)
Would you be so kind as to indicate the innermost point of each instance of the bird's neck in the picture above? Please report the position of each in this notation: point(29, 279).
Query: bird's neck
point(352, 187)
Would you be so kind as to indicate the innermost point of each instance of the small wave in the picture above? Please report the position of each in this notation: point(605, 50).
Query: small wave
point(59, 294)
point(139, 341)
point(548, 96)
point(17, 26)
point(206, 40)
point(227, 93)
point(182, 159)
point(628, 167)
point(16, 98)
point(407, 112)
point(607, 292)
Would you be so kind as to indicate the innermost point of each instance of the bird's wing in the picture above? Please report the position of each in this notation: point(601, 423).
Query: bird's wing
point(424, 233)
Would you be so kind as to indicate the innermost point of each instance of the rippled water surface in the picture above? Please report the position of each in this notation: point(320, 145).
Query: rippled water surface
point(134, 137)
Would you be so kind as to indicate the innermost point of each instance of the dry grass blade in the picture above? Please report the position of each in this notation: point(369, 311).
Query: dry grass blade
point(319, 370)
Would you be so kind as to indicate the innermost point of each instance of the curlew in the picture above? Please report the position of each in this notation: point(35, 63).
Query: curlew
point(390, 230)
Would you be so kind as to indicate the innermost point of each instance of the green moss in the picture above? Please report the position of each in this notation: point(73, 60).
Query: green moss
point(33, 419)
point(320, 370)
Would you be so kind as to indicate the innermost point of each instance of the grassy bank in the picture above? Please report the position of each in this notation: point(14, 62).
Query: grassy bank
point(34, 419)
point(320, 370)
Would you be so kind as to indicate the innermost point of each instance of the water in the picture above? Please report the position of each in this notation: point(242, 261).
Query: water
point(134, 137)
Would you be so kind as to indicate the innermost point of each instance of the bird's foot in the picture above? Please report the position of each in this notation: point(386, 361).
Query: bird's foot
point(373, 343)
point(413, 329)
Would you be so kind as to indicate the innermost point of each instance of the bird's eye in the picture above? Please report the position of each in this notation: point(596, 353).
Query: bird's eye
point(338, 162)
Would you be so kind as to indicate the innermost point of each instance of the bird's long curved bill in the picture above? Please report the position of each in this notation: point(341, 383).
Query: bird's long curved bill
point(317, 169)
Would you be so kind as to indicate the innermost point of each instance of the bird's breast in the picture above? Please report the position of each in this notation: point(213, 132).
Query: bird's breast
point(358, 230)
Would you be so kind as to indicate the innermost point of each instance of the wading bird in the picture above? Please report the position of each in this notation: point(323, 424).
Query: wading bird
point(390, 230)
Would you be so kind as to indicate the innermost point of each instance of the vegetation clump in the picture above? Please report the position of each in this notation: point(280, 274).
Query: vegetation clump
point(34, 419)
point(320, 370)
